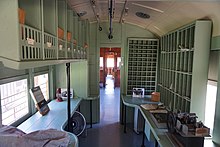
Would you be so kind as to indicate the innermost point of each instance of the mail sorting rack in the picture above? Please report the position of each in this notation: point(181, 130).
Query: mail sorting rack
point(181, 65)
point(142, 64)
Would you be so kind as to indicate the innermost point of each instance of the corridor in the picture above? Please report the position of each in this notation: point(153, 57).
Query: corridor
point(109, 132)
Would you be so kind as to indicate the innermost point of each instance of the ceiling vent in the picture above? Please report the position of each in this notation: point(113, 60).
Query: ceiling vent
point(142, 15)
point(80, 14)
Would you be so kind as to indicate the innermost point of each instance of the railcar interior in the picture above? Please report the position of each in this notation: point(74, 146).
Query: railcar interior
point(121, 73)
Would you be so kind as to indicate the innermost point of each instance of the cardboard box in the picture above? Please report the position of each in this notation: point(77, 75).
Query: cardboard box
point(69, 35)
point(60, 33)
point(202, 131)
point(21, 15)
point(155, 96)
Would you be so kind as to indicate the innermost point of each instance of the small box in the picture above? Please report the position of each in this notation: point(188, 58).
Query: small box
point(155, 96)
point(60, 33)
point(21, 14)
point(202, 131)
point(69, 35)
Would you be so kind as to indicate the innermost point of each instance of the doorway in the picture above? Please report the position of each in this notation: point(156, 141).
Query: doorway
point(110, 59)
point(109, 69)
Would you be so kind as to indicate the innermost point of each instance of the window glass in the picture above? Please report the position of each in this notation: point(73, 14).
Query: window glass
point(42, 81)
point(110, 62)
point(210, 104)
point(14, 101)
point(101, 62)
point(118, 61)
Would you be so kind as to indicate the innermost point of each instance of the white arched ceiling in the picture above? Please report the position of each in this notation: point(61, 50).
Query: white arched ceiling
point(164, 15)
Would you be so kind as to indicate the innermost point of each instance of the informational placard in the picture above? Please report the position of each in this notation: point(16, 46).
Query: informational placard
point(40, 102)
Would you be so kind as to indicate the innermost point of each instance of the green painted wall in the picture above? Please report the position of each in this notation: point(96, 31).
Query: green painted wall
point(213, 65)
point(78, 77)
point(93, 61)
point(215, 43)
point(78, 81)
point(100, 39)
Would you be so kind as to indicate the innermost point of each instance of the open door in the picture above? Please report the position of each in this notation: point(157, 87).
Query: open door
point(109, 65)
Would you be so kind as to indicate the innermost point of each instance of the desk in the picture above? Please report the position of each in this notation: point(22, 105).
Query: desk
point(159, 134)
point(133, 102)
point(56, 118)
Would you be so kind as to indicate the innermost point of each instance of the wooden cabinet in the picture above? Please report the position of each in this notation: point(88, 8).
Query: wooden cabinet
point(183, 70)
point(142, 64)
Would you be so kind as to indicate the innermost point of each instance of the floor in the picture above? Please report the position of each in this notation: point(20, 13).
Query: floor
point(109, 132)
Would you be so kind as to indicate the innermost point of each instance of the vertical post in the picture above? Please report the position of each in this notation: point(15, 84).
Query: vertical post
point(143, 137)
point(90, 113)
point(125, 118)
point(122, 115)
point(68, 96)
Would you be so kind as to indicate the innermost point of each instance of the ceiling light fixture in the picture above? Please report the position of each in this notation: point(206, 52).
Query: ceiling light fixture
point(148, 7)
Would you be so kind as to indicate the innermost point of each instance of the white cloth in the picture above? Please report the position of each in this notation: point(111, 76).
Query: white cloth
point(13, 137)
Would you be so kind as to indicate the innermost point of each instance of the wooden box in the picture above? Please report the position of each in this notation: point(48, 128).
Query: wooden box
point(21, 15)
point(69, 35)
point(60, 33)
point(155, 96)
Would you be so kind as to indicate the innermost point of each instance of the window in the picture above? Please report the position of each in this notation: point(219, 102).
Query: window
point(210, 104)
point(42, 81)
point(14, 101)
point(110, 62)
point(118, 61)
point(101, 62)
